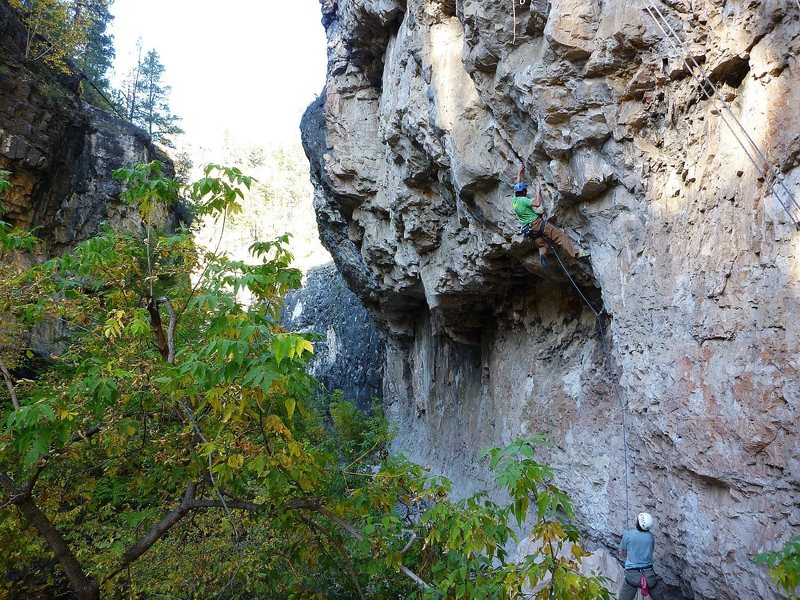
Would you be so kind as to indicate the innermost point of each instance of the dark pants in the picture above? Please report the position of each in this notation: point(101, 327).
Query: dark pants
point(631, 584)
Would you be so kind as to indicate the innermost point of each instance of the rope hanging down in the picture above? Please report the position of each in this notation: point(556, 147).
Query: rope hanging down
point(769, 171)
point(601, 330)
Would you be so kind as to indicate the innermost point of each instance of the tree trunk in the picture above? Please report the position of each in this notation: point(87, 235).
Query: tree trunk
point(158, 328)
point(86, 588)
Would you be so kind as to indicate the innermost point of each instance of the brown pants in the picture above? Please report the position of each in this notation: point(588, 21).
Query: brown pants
point(555, 235)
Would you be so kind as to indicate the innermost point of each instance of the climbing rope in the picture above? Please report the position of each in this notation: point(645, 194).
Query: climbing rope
point(601, 330)
point(770, 172)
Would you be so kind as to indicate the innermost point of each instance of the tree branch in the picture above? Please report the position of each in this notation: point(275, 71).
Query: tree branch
point(205, 269)
point(157, 327)
point(159, 529)
point(85, 587)
point(173, 319)
point(199, 437)
point(9, 384)
point(237, 504)
point(351, 572)
point(353, 532)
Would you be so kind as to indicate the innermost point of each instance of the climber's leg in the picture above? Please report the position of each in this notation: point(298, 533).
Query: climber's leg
point(627, 591)
point(560, 239)
point(542, 247)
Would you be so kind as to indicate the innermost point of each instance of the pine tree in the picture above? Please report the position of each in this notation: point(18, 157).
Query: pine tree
point(152, 111)
point(96, 55)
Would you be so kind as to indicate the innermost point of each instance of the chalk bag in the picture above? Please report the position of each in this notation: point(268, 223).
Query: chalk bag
point(643, 584)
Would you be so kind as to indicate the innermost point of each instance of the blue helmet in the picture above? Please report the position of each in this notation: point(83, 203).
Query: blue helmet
point(521, 187)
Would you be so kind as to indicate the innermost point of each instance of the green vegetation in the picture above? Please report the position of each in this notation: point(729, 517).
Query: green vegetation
point(70, 34)
point(143, 97)
point(60, 30)
point(172, 447)
point(784, 567)
point(96, 56)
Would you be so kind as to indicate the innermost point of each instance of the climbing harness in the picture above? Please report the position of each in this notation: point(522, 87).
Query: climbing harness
point(529, 232)
point(601, 332)
point(769, 171)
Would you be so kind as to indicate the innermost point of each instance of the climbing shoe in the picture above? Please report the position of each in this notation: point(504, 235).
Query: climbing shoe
point(582, 255)
point(543, 260)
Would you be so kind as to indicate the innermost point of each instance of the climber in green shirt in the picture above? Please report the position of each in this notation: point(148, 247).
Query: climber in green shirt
point(530, 213)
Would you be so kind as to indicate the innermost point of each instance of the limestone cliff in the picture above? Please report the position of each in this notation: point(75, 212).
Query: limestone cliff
point(428, 106)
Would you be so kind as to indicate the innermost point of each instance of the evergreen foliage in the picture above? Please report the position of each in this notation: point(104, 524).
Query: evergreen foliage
point(96, 56)
point(153, 113)
point(143, 97)
point(61, 31)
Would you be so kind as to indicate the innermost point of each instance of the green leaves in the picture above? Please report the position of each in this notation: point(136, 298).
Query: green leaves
point(471, 536)
point(784, 567)
point(218, 193)
point(13, 238)
point(5, 182)
point(148, 187)
point(121, 432)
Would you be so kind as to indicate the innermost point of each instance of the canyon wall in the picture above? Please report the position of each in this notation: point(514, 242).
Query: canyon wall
point(686, 332)
point(60, 151)
point(349, 355)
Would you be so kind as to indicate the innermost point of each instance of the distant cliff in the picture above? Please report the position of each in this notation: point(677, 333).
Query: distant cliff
point(61, 152)
point(350, 357)
point(427, 109)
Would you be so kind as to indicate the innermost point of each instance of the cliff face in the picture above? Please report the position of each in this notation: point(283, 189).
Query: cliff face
point(350, 356)
point(428, 106)
point(61, 152)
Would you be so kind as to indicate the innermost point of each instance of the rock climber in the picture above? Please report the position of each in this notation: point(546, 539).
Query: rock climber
point(531, 214)
point(636, 548)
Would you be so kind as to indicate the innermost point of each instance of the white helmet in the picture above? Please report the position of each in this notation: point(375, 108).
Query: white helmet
point(645, 520)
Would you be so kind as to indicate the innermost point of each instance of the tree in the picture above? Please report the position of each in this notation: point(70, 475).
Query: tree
point(784, 567)
point(174, 447)
point(153, 112)
point(143, 97)
point(62, 30)
point(56, 29)
point(125, 97)
point(12, 239)
point(96, 56)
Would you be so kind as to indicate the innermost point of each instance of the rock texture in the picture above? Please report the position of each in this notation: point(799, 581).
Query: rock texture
point(350, 355)
point(61, 152)
point(428, 106)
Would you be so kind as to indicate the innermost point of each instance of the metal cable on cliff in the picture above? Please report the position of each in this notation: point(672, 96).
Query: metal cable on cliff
point(601, 331)
point(102, 95)
point(769, 171)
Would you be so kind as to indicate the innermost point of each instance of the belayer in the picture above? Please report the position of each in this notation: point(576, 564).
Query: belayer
point(636, 548)
point(530, 213)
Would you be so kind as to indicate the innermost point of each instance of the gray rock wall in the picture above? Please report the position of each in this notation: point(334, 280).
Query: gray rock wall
point(350, 355)
point(429, 105)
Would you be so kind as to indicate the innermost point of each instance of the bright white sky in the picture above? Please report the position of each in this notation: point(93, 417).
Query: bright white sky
point(248, 67)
